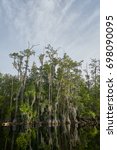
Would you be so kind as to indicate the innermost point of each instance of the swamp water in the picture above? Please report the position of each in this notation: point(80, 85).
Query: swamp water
point(49, 138)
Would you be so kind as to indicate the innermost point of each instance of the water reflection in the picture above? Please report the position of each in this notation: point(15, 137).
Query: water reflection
point(49, 138)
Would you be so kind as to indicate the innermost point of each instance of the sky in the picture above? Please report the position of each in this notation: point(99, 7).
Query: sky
point(71, 26)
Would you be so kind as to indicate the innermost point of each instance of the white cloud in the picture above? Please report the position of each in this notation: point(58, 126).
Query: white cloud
point(58, 22)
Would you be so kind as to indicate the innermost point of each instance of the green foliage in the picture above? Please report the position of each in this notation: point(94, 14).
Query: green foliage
point(55, 89)
point(28, 112)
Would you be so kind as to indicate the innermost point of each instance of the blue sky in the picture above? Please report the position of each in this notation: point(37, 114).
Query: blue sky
point(72, 26)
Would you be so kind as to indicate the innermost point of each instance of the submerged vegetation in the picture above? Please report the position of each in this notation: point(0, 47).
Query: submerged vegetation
point(56, 91)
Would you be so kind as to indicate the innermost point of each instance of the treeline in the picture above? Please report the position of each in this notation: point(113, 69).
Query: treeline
point(57, 90)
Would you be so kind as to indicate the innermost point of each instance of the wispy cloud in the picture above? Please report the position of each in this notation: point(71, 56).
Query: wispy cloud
point(72, 25)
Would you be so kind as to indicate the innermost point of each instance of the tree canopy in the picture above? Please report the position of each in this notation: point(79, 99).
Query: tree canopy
point(57, 90)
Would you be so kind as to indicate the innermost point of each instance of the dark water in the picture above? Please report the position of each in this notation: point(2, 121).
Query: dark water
point(49, 138)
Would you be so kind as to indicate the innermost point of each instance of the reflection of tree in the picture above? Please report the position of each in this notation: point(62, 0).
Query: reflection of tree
point(89, 138)
point(24, 139)
point(50, 138)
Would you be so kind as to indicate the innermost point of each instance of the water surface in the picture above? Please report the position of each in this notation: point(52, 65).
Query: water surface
point(49, 138)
